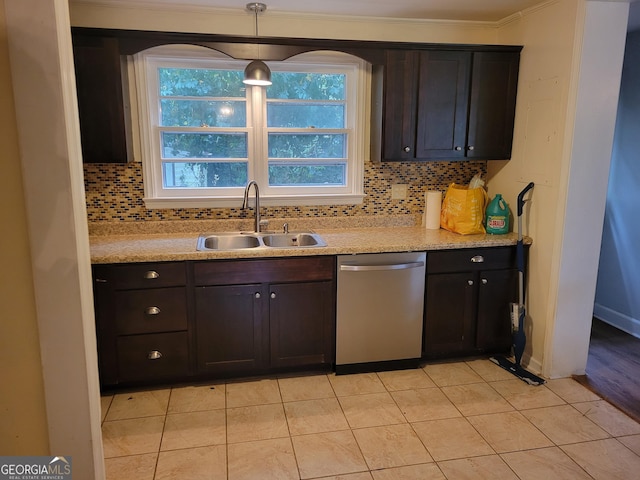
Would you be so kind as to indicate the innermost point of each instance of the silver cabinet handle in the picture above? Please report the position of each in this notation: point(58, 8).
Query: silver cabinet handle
point(477, 259)
point(394, 266)
point(100, 280)
point(151, 274)
point(273, 295)
point(471, 147)
point(257, 295)
point(152, 310)
point(484, 281)
point(470, 282)
point(154, 355)
point(457, 149)
point(407, 149)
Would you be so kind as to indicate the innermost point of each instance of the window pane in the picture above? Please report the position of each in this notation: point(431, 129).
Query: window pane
point(302, 145)
point(200, 82)
point(307, 175)
point(203, 113)
point(204, 174)
point(204, 145)
point(305, 115)
point(307, 86)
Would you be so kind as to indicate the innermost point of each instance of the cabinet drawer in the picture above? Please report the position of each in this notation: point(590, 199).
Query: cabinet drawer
point(472, 259)
point(151, 311)
point(141, 275)
point(153, 356)
point(237, 272)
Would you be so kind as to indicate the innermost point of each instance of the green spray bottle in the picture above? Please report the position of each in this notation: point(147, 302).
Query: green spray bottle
point(497, 216)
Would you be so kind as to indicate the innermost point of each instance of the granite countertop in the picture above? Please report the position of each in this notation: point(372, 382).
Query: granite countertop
point(167, 241)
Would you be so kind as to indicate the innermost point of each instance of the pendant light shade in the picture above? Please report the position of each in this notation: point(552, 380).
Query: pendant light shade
point(257, 72)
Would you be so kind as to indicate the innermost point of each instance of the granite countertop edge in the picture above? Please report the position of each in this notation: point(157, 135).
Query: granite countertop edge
point(176, 241)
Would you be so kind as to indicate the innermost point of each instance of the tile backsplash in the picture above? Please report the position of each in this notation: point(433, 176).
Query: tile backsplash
point(115, 193)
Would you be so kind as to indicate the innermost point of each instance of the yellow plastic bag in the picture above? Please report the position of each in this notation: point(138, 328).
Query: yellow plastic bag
point(463, 209)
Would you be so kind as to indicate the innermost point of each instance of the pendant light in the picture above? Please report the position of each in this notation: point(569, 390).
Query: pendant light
point(257, 72)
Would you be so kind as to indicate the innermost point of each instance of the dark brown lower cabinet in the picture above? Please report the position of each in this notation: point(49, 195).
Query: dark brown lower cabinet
point(301, 319)
point(467, 301)
point(142, 323)
point(230, 333)
point(497, 289)
point(284, 321)
point(450, 323)
point(180, 321)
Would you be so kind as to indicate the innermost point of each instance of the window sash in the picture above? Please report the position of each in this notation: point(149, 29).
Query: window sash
point(257, 133)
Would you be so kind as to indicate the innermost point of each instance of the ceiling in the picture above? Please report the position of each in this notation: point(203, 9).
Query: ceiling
point(476, 10)
point(469, 10)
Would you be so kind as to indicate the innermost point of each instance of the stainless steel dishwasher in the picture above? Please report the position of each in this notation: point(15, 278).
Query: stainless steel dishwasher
point(379, 311)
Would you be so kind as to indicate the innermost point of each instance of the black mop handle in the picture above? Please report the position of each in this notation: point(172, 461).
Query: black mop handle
point(519, 245)
point(521, 197)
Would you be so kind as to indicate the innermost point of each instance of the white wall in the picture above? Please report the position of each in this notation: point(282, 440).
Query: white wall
point(41, 61)
point(548, 35)
point(272, 23)
point(22, 403)
point(568, 89)
point(617, 294)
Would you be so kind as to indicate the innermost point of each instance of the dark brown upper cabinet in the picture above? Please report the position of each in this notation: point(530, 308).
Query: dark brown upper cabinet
point(449, 104)
point(100, 99)
point(430, 101)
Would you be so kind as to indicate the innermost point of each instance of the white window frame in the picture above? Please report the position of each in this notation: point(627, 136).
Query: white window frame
point(358, 86)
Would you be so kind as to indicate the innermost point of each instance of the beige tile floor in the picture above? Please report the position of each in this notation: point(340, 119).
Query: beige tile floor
point(463, 420)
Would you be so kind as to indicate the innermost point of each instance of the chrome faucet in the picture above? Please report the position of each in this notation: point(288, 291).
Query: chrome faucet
point(245, 203)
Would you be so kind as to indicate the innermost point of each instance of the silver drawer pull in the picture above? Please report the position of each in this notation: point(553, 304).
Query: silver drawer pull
point(484, 281)
point(470, 282)
point(477, 259)
point(152, 310)
point(151, 274)
point(154, 355)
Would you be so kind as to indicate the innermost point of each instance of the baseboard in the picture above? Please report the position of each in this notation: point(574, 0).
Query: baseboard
point(532, 364)
point(619, 320)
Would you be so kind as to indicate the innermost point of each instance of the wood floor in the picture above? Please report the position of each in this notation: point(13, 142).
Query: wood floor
point(613, 367)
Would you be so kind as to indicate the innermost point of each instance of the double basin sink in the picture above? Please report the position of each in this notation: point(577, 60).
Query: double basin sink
point(249, 240)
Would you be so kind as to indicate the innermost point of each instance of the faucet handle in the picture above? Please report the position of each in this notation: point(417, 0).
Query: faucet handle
point(285, 228)
point(264, 223)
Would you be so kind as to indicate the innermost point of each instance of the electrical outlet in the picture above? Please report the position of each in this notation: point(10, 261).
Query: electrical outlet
point(399, 191)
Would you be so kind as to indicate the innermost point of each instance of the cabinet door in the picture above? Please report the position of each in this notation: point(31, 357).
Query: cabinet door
point(492, 105)
point(100, 99)
point(400, 105)
point(301, 324)
point(443, 88)
point(229, 328)
point(497, 288)
point(449, 314)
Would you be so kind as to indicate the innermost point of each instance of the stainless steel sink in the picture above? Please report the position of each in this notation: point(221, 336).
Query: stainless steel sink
point(288, 240)
point(227, 241)
point(265, 240)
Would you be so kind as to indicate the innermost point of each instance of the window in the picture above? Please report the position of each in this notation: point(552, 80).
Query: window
point(204, 134)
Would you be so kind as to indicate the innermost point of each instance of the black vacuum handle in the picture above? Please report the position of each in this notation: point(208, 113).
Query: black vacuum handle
point(521, 197)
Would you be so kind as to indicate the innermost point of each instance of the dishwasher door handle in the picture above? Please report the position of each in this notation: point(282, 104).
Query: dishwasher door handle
point(370, 268)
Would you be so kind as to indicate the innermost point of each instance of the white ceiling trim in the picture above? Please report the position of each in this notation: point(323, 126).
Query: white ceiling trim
point(141, 5)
